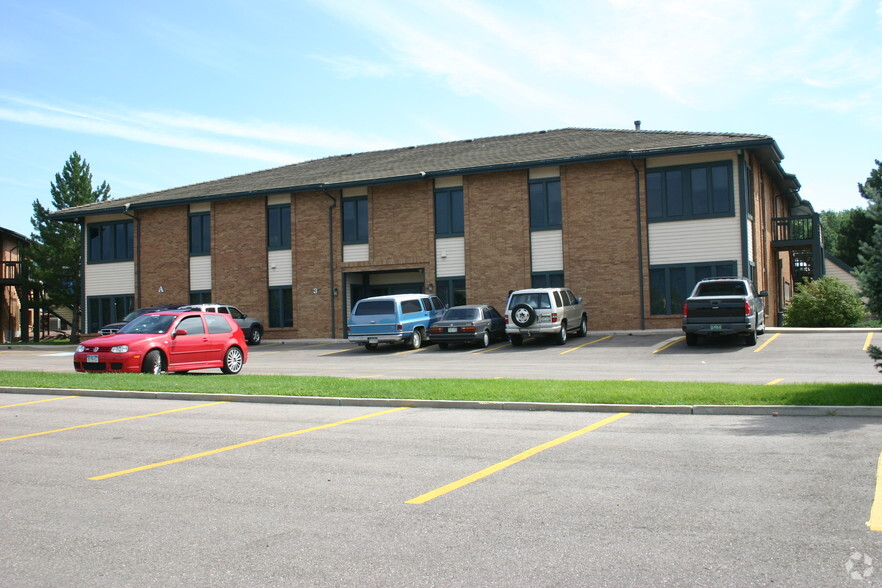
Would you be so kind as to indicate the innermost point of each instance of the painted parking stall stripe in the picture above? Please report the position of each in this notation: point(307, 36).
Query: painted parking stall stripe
point(875, 522)
point(763, 346)
point(423, 498)
point(131, 418)
point(38, 401)
point(586, 344)
point(245, 444)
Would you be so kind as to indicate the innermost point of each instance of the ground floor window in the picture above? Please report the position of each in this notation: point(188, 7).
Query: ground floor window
point(103, 310)
point(200, 297)
point(548, 280)
point(281, 307)
point(452, 291)
point(670, 285)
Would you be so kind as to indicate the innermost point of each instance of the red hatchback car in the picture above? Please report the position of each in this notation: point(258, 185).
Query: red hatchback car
point(172, 341)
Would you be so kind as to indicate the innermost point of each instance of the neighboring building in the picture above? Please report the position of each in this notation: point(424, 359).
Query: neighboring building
point(628, 219)
point(840, 270)
point(13, 280)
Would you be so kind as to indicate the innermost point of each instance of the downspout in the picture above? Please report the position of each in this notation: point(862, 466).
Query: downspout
point(137, 302)
point(639, 241)
point(331, 260)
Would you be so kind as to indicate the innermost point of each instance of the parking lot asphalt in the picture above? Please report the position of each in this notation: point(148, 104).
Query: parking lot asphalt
point(111, 491)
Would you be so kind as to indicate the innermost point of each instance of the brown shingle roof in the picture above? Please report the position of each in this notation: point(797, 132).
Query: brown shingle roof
point(439, 159)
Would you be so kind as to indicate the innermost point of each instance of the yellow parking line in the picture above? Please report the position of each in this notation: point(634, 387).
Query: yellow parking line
point(410, 351)
point(36, 401)
point(340, 351)
point(763, 346)
point(875, 522)
point(868, 341)
point(423, 498)
point(508, 344)
point(245, 444)
point(674, 342)
point(588, 343)
point(131, 418)
point(773, 382)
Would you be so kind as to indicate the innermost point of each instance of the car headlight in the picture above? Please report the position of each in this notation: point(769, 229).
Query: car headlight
point(120, 349)
point(80, 348)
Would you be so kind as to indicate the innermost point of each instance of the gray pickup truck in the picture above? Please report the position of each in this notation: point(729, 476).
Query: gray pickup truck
point(724, 306)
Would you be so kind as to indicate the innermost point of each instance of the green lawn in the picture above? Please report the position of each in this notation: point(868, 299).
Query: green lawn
point(602, 392)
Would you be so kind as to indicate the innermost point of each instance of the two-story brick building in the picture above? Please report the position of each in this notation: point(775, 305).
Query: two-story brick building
point(628, 219)
point(13, 286)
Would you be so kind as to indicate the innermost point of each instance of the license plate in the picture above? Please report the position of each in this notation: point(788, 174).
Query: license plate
point(451, 329)
point(373, 340)
point(91, 359)
point(716, 327)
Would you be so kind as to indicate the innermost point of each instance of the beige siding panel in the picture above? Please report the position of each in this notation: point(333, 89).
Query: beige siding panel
point(450, 257)
point(541, 173)
point(546, 249)
point(834, 271)
point(200, 207)
point(106, 279)
point(360, 252)
point(693, 158)
point(358, 191)
point(695, 241)
point(281, 268)
point(200, 272)
point(278, 199)
point(449, 182)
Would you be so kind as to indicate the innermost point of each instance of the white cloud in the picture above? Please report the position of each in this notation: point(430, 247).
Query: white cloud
point(256, 140)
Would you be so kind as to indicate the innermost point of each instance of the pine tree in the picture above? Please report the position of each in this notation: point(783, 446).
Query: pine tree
point(870, 271)
point(56, 249)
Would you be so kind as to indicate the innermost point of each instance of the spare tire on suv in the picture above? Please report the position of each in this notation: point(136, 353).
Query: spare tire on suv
point(549, 312)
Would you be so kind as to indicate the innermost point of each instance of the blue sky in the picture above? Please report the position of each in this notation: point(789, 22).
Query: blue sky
point(161, 93)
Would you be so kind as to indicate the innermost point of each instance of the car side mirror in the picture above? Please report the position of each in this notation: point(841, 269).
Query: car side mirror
point(180, 332)
point(579, 300)
point(763, 294)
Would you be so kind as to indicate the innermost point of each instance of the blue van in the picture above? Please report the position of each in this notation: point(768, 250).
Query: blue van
point(398, 318)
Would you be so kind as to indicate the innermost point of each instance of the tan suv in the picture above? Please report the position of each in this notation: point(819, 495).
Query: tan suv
point(544, 311)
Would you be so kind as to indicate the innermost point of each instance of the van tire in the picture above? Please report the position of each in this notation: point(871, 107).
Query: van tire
point(417, 340)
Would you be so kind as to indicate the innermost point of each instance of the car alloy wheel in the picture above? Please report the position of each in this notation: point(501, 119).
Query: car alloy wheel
point(233, 361)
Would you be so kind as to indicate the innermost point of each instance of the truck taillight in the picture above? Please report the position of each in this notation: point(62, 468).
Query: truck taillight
point(685, 309)
point(554, 317)
point(506, 319)
point(747, 311)
point(399, 327)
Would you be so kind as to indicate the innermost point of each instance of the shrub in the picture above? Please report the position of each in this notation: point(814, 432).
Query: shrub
point(825, 302)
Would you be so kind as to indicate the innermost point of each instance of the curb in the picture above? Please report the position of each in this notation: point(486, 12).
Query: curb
point(699, 409)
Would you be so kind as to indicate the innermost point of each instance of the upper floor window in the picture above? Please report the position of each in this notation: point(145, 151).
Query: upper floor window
point(200, 233)
point(449, 213)
point(545, 204)
point(355, 220)
point(684, 192)
point(112, 241)
point(278, 226)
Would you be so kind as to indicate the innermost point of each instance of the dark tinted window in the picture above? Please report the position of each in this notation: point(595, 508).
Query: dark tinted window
point(411, 306)
point(371, 307)
point(461, 314)
point(722, 289)
point(557, 299)
point(193, 325)
point(217, 324)
point(534, 299)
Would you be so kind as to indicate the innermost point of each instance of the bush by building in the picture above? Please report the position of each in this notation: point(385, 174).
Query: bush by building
point(825, 302)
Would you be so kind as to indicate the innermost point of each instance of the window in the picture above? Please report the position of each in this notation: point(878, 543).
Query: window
point(545, 205)
point(355, 220)
point(690, 191)
point(192, 324)
point(411, 306)
point(452, 291)
point(103, 310)
point(449, 213)
point(200, 233)
point(200, 297)
point(547, 280)
point(217, 324)
point(281, 307)
point(109, 242)
point(670, 285)
point(278, 226)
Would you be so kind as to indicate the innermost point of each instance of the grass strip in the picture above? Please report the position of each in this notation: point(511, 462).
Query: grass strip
point(490, 390)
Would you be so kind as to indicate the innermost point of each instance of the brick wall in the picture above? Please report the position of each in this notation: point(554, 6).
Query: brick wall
point(238, 255)
point(497, 242)
point(310, 243)
point(600, 242)
point(401, 225)
point(162, 247)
